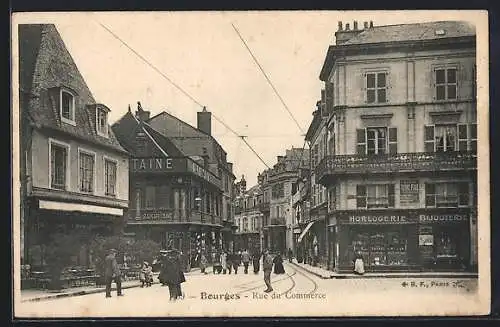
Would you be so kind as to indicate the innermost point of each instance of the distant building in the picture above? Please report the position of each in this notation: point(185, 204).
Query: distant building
point(399, 147)
point(248, 218)
point(279, 183)
point(74, 173)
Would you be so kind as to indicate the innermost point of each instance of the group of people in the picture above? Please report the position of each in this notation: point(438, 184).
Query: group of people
point(226, 262)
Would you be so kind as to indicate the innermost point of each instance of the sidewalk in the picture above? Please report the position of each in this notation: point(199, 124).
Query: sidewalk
point(42, 295)
point(327, 274)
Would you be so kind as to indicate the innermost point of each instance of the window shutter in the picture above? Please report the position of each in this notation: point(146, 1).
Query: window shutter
point(361, 196)
point(361, 141)
point(393, 140)
point(391, 193)
point(463, 194)
point(473, 137)
point(430, 192)
point(429, 138)
point(462, 137)
point(433, 84)
point(388, 87)
point(364, 87)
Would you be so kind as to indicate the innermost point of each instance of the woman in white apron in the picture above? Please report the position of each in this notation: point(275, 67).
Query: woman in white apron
point(359, 266)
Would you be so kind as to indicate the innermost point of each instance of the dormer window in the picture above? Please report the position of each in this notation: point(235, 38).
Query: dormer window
point(67, 107)
point(102, 121)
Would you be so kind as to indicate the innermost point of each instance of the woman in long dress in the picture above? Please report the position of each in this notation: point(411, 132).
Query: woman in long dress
point(278, 264)
point(359, 265)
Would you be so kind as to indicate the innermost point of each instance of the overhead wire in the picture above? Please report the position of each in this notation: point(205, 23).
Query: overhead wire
point(180, 89)
point(268, 79)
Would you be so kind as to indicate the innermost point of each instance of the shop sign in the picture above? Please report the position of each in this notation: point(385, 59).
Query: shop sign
point(409, 192)
point(431, 218)
point(378, 219)
point(157, 164)
point(426, 240)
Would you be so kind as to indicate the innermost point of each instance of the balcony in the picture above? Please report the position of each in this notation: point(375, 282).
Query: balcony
point(401, 162)
point(171, 216)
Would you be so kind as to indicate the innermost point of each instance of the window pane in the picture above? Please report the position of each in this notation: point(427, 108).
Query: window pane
point(429, 146)
point(381, 80)
point(452, 91)
point(463, 194)
point(393, 134)
point(462, 131)
point(440, 92)
point(381, 94)
point(370, 96)
point(360, 190)
point(473, 146)
point(473, 131)
point(361, 149)
point(58, 167)
point(66, 105)
point(462, 145)
point(429, 133)
point(440, 79)
point(452, 75)
point(370, 80)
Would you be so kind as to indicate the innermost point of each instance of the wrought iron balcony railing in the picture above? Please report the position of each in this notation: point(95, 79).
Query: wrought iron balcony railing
point(400, 162)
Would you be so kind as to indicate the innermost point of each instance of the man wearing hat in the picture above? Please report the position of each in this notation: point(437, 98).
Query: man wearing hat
point(112, 273)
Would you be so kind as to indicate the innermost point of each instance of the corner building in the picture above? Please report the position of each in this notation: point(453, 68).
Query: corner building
point(401, 174)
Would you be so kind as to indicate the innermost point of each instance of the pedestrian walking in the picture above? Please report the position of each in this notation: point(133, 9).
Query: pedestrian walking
point(229, 260)
point(174, 275)
point(256, 262)
point(245, 258)
point(112, 273)
point(223, 261)
point(359, 266)
point(217, 264)
point(163, 260)
point(236, 262)
point(267, 266)
point(203, 263)
point(278, 264)
point(290, 255)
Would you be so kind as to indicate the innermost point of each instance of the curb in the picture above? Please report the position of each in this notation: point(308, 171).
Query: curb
point(91, 291)
point(352, 276)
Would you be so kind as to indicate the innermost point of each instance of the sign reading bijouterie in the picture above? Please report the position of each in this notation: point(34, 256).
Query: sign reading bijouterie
point(443, 218)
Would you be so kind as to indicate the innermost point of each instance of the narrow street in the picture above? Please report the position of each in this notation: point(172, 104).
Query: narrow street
point(216, 295)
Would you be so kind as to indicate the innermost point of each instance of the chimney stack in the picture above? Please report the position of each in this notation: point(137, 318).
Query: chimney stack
point(204, 120)
point(340, 26)
point(355, 25)
point(142, 114)
point(371, 24)
point(347, 28)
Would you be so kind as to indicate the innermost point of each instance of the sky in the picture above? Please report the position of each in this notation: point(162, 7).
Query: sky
point(202, 53)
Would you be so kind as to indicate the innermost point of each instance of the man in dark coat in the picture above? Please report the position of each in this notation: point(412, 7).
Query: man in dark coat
point(173, 274)
point(112, 273)
point(236, 262)
point(256, 262)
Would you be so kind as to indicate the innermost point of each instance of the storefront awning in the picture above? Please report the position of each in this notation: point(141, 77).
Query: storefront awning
point(305, 231)
point(64, 206)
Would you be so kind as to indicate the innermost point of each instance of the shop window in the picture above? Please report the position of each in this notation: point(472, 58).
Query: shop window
point(445, 80)
point(446, 245)
point(375, 196)
point(442, 195)
point(59, 165)
point(376, 87)
point(87, 166)
point(379, 247)
point(110, 177)
point(376, 141)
